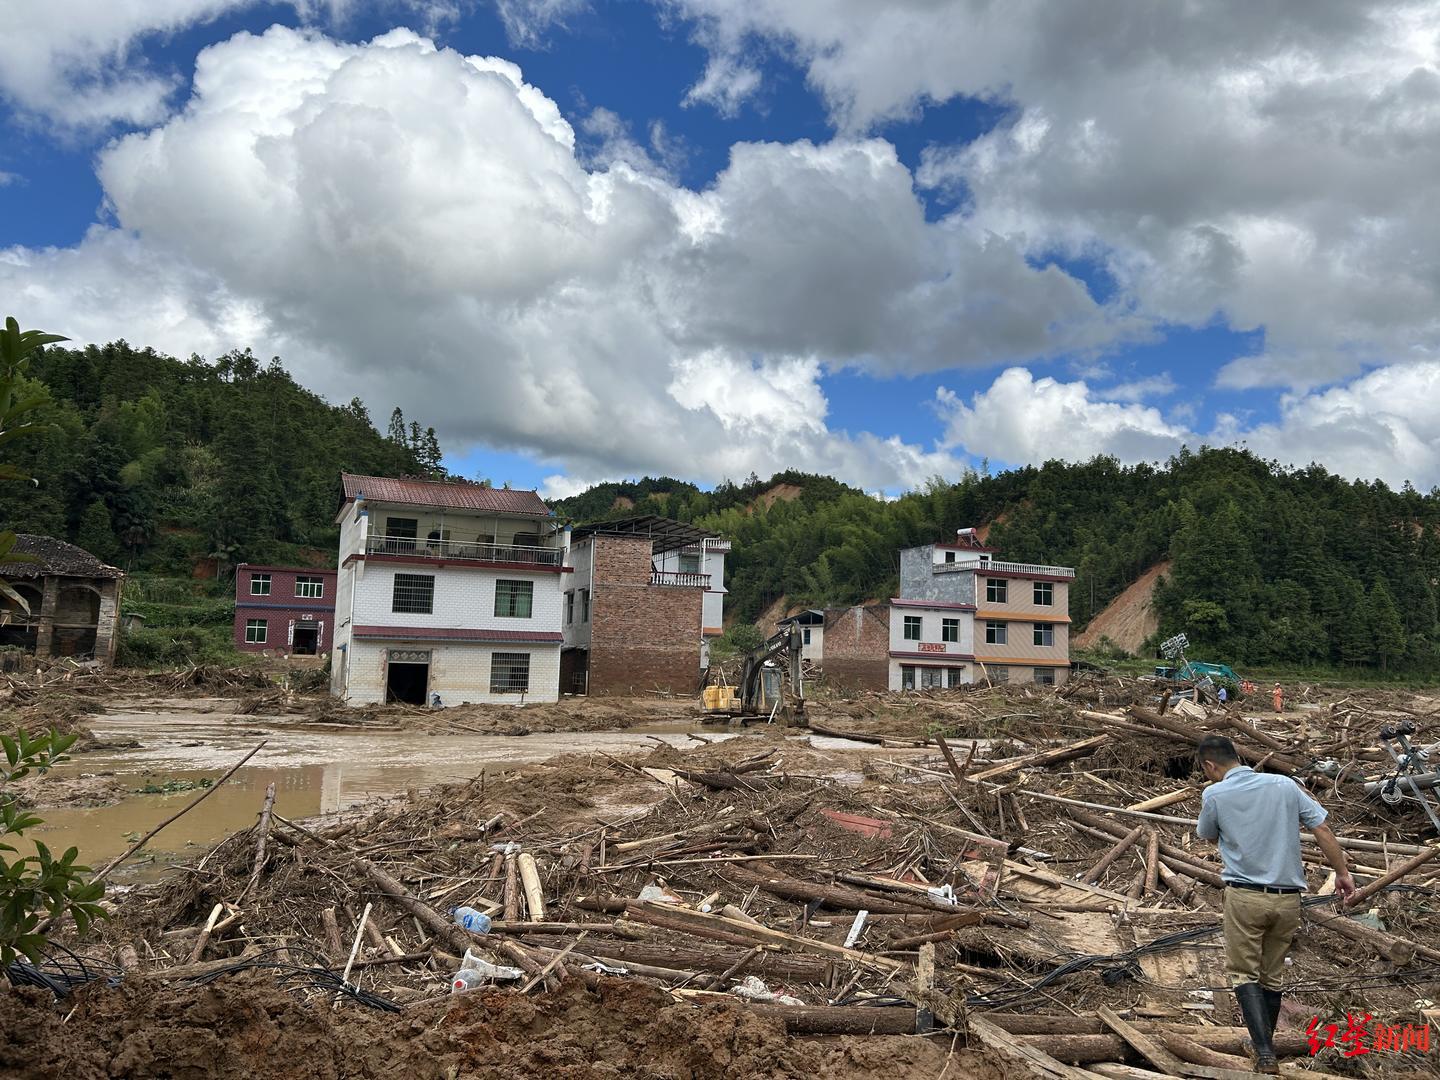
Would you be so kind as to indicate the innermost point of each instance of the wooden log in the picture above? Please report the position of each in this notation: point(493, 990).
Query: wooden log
point(718, 983)
point(512, 889)
point(128, 957)
point(333, 945)
point(1159, 802)
point(835, 896)
point(264, 830)
point(607, 905)
point(1187, 1049)
point(730, 911)
point(455, 936)
point(1269, 759)
point(1152, 861)
point(1179, 860)
point(530, 880)
point(1044, 757)
point(528, 964)
point(1145, 1045)
point(698, 923)
point(1252, 731)
point(1408, 866)
point(1397, 950)
point(856, 736)
point(1172, 881)
point(204, 938)
point(1021, 1052)
point(1083, 1049)
point(1124, 844)
point(838, 1019)
point(956, 770)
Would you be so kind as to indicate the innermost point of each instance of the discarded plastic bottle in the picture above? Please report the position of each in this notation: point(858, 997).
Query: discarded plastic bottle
point(472, 920)
point(465, 979)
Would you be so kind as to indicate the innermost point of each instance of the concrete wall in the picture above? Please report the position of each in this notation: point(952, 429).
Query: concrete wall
point(856, 642)
point(464, 598)
point(577, 629)
point(1020, 597)
point(459, 673)
point(920, 579)
point(643, 636)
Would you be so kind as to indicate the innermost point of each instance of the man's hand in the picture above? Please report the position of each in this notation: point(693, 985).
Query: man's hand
point(1344, 887)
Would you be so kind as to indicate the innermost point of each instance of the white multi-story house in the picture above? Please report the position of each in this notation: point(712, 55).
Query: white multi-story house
point(963, 615)
point(446, 589)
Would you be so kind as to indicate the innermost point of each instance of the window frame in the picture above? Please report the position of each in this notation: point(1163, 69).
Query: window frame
point(997, 632)
point(1044, 676)
point(263, 626)
point(1048, 588)
point(950, 630)
point(997, 591)
point(412, 581)
point(584, 605)
point(508, 592)
point(949, 556)
point(688, 564)
point(1044, 636)
point(570, 607)
point(262, 580)
point(509, 687)
point(1000, 676)
point(912, 622)
point(907, 676)
point(315, 581)
point(805, 635)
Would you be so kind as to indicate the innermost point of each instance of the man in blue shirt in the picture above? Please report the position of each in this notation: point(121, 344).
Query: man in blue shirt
point(1256, 819)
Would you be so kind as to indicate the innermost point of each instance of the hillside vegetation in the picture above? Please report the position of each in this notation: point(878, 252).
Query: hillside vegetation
point(157, 464)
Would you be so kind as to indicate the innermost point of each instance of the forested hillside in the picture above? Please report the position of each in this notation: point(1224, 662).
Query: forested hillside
point(152, 461)
point(1270, 565)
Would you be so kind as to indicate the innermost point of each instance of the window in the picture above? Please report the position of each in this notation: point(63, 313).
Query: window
point(569, 607)
point(259, 584)
point(312, 588)
point(949, 629)
point(513, 599)
point(997, 633)
point(805, 635)
point(509, 673)
point(400, 533)
point(932, 678)
point(584, 605)
point(955, 677)
point(996, 590)
point(257, 631)
point(912, 627)
point(1044, 594)
point(1044, 676)
point(907, 677)
point(949, 556)
point(999, 675)
point(414, 594)
point(689, 564)
point(1044, 635)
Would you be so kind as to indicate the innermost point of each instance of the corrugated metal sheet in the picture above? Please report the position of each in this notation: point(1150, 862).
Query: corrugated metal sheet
point(443, 493)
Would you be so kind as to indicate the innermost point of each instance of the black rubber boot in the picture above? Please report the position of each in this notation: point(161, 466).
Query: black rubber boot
point(1272, 1007)
point(1256, 1011)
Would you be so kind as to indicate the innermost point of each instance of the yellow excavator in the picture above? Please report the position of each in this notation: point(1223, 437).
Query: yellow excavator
point(770, 682)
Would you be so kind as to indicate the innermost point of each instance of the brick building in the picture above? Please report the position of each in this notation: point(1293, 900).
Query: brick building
point(447, 589)
point(73, 597)
point(856, 640)
point(284, 609)
point(633, 620)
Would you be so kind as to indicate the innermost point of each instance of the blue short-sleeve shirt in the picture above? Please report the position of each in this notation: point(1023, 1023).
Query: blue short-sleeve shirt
point(1257, 817)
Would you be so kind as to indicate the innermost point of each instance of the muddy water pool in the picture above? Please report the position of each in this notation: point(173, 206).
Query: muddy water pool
point(314, 770)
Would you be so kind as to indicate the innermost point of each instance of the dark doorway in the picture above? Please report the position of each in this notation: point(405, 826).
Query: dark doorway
point(307, 639)
point(407, 683)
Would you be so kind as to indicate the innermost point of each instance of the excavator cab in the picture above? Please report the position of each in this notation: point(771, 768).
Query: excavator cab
point(770, 681)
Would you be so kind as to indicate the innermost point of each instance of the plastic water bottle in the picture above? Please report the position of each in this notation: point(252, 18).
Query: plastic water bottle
point(465, 979)
point(472, 920)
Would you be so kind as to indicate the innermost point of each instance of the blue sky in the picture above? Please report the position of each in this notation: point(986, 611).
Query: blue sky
point(883, 241)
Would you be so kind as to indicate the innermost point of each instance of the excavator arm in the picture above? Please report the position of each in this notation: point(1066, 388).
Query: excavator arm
point(787, 643)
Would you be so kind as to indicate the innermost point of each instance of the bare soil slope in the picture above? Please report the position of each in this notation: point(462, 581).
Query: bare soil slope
point(1128, 619)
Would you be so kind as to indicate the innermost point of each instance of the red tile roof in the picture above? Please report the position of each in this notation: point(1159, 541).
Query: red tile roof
point(420, 633)
point(447, 494)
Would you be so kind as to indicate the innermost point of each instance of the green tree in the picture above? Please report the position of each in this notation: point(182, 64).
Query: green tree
point(1387, 632)
point(96, 534)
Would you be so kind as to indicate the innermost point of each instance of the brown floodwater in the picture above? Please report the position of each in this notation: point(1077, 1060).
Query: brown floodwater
point(314, 770)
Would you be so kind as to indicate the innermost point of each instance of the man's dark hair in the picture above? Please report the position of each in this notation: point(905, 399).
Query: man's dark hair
point(1217, 749)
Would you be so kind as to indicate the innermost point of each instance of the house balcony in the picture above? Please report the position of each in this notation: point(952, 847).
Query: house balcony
point(673, 577)
point(1024, 569)
point(460, 551)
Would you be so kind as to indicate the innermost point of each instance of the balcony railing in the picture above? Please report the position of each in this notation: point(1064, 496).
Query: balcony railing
point(1037, 569)
point(460, 550)
point(674, 577)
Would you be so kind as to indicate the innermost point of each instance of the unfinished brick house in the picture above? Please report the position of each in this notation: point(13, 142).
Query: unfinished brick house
point(284, 609)
point(846, 646)
point(632, 624)
point(74, 601)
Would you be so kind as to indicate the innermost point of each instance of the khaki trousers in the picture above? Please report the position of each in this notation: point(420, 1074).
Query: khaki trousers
point(1259, 928)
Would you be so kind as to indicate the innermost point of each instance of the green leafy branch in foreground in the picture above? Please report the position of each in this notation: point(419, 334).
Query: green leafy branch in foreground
point(39, 885)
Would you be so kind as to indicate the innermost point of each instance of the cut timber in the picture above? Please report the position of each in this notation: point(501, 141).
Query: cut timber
point(788, 966)
point(700, 924)
point(1148, 1048)
point(1032, 1057)
point(1096, 872)
point(1044, 757)
point(456, 937)
point(265, 809)
point(1397, 950)
point(1400, 871)
point(839, 1020)
point(530, 879)
point(835, 896)
point(1159, 802)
